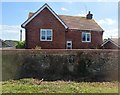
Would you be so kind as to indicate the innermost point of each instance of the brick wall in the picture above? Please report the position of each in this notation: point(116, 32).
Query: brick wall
point(76, 37)
point(45, 20)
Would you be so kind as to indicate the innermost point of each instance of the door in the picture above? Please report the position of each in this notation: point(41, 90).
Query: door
point(69, 44)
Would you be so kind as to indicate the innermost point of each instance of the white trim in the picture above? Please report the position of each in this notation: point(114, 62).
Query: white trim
point(111, 42)
point(37, 12)
point(86, 38)
point(46, 34)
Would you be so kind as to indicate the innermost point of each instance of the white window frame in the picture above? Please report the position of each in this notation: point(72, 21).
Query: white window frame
point(46, 34)
point(86, 33)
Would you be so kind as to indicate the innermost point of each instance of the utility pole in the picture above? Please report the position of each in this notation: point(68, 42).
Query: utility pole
point(21, 35)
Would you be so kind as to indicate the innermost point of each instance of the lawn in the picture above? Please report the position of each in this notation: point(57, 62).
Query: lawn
point(37, 86)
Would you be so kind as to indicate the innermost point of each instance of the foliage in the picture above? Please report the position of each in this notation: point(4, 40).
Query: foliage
point(20, 45)
point(34, 85)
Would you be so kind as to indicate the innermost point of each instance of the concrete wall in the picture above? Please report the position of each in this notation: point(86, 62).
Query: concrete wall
point(78, 65)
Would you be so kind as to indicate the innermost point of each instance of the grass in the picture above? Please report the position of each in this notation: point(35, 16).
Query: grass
point(36, 86)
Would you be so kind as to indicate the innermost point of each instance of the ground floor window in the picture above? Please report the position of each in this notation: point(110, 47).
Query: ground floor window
point(86, 37)
point(45, 34)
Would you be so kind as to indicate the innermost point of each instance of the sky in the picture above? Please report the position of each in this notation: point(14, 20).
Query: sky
point(13, 14)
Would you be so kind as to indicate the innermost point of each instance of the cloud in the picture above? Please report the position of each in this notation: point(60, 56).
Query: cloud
point(64, 9)
point(111, 33)
point(83, 13)
point(11, 32)
point(80, 14)
point(107, 21)
point(11, 28)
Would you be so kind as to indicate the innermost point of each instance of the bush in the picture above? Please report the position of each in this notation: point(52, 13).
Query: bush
point(20, 45)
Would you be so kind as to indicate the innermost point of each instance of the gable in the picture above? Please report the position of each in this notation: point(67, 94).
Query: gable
point(39, 11)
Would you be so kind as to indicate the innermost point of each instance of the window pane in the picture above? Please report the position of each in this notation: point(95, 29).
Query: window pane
point(43, 35)
point(49, 35)
point(83, 37)
point(88, 37)
point(49, 38)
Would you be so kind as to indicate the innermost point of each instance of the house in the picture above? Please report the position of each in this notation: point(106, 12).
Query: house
point(11, 43)
point(112, 43)
point(46, 29)
point(3, 44)
point(7, 44)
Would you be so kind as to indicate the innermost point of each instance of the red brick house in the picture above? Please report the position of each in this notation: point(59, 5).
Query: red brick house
point(46, 29)
point(112, 43)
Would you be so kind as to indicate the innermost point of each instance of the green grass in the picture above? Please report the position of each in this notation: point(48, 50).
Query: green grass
point(35, 86)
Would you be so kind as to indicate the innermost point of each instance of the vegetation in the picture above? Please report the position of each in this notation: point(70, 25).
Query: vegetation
point(20, 45)
point(39, 86)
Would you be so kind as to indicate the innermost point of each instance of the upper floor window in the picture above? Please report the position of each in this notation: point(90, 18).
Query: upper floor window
point(45, 34)
point(86, 37)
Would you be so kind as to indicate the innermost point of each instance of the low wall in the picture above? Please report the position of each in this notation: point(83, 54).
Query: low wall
point(77, 65)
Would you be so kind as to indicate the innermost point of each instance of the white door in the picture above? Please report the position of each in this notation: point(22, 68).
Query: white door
point(69, 44)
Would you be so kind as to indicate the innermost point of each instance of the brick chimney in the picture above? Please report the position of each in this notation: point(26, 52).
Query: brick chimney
point(89, 15)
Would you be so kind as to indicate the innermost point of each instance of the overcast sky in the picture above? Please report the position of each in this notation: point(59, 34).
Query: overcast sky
point(15, 13)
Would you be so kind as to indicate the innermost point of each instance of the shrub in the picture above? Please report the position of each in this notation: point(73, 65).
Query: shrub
point(20, 45)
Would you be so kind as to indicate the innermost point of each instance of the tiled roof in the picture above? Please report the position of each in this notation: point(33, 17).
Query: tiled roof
point(116, 40)
point(11, 43)
point(77, 22)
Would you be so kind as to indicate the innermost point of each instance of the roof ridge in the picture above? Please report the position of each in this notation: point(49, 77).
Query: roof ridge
point(72, 16)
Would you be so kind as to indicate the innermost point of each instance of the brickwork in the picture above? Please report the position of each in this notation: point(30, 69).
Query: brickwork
point(46, 20)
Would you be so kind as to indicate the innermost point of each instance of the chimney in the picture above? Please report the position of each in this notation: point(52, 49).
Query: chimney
point(89, 15)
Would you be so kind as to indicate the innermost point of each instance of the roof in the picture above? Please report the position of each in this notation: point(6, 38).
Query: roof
point(37, 12)
point(78, 22)
point(11, 43)
point(82, 23)
point(113, 41)
point(116, 40)
point(3, 44)
point(72, 22)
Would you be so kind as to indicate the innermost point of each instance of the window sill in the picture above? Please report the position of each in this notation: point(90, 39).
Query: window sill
point(86, 41)
point(46, 40)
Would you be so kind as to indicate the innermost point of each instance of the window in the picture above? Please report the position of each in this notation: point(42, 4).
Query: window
point(86, 37)
point(46, 35)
